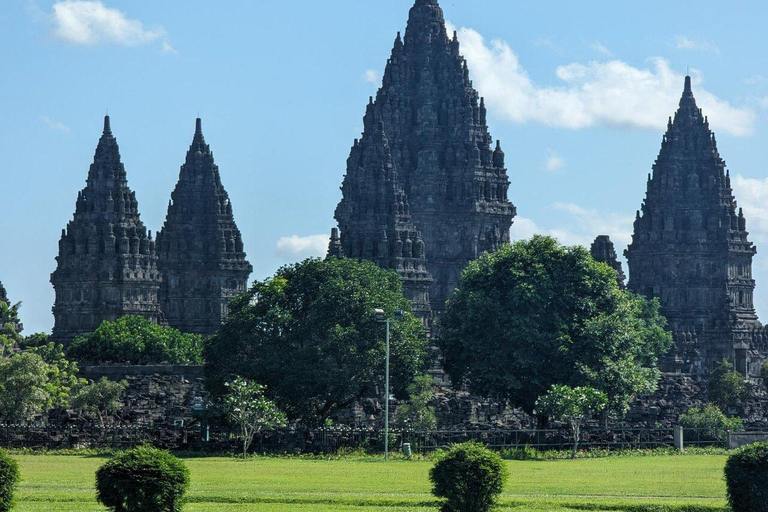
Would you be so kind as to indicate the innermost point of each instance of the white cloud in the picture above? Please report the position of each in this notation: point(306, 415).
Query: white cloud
point(578, 226)
point(752, 196)
point(90, 22)
point(610, 93)
point(371, 76)
point(754, 80)
point(55, 125)
point(295, 248)
point(554, 162)
point(686, 43)
point(168, 48)
point(602, 50)
point(544, 42)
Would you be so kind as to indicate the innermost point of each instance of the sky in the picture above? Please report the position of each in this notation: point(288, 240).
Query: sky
point(578, 92)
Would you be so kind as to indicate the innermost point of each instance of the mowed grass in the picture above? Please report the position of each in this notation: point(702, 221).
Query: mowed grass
point(685, 483)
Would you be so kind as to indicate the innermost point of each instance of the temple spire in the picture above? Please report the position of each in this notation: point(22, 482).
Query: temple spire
point(107, 127)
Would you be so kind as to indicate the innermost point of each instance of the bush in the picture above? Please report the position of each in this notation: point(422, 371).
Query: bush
point(9, 477)
point(142, 480)
point(711, 420)
point(746, 475)
point(469, 477)
point(136, 340)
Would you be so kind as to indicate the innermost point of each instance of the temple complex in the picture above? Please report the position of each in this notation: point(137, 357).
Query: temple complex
point(691, 250)
point(200, 248)
point(107, 266)
point(451, 179)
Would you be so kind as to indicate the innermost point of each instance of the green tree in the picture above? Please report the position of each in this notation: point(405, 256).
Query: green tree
point(416, 413)
point(100, 398)
point(574, 405)
point(23, 386)
point(711, 420)
point(535, 313)
point(10, 327)
point(309, 335)
point(62, 380)
point(248, 408)
point(726, 387)
point(136, 340)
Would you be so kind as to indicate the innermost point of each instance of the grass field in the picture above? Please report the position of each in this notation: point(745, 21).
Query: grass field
point(686, 483)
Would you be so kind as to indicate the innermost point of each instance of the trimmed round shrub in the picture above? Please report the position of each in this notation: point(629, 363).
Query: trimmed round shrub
point(9, 477)
point(469, 477)
point(746, 476)
point(143, 479)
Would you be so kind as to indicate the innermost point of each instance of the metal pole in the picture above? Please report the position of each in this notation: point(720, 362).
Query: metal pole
point(386, 402)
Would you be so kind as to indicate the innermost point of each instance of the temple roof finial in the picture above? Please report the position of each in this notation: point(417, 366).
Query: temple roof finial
point(107, 127)
point(198, 126)
point(687, 89)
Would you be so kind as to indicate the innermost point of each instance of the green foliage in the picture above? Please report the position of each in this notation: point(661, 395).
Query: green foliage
point(711, 420)
point(247, 408)
point(62, 380)
point(416, 414)
point(10, 326)
point(136, 340)
point(535, 313)
point(24, 389)
point(764, 374)
point(100, 398)
point(726, 387)
point(469, 478)
point(746, 477)
point(34, 340)
point(9, 477)
point(142, 480)
point(573, 405)
point(309, 334)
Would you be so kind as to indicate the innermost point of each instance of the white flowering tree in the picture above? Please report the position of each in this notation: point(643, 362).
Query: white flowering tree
point(248, 408)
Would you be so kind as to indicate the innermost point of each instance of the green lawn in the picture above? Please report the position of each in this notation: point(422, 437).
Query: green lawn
point(632, 484)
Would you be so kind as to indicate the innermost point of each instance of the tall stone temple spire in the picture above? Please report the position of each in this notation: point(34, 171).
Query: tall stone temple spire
point(107, 265)
point(200, 247)
point(691, 249)
point(375, 214)
point(603, 251)
point(441, 151)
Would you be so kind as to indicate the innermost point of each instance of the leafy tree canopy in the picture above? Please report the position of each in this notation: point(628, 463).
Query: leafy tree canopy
point(711, 421)
point(726, 387)
point(248, 408)
point(23, 386)
point(535, 313)
point(309, 335)
point(100, 398)
point(416, 413)
point(136, 340)
point(10, 327)
point(574, 405)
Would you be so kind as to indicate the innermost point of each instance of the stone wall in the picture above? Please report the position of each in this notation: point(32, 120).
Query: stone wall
point(156, 394)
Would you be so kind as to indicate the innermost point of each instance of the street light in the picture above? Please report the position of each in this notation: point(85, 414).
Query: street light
point(380, 316)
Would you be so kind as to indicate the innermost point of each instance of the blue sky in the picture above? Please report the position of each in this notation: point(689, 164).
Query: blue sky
point(578, 93)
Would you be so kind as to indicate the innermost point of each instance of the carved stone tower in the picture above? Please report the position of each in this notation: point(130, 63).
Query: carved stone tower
point(691, 250)
point(200, 247)
point(375, 214)
point(441, 151)
point(602, 250)
point(107, 267)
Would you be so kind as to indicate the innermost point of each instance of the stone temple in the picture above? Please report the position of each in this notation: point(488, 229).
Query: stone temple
point(451, 181)
point(691, 249)
point(603, 250)
point(107, 266)
point(200, 248)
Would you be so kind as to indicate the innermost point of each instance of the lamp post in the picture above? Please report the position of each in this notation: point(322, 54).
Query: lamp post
point(380, 316)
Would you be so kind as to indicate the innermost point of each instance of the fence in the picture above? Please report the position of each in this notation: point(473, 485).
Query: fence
point(199, 437)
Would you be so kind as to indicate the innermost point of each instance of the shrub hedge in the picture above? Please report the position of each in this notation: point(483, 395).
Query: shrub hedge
point(9, 477)
point(746, 476)
point(469, 477)
point(143, 479)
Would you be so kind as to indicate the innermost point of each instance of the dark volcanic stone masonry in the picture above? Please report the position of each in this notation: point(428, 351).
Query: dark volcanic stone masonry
point(200, 248)
point(602, 250)
point(691, 250)
point(107, 265)
point(441, 151)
